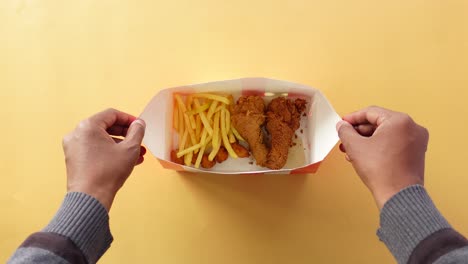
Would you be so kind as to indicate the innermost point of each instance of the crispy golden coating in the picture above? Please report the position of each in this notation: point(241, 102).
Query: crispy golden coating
point(287, 111)
point(248, 118)
point(175, 159)
point(282, 120)
point(222, 155)
point(240, 150)
point(206, 163)
point(281, 138)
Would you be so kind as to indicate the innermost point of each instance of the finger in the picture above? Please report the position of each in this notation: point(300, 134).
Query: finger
point(342, 148)
point(135, 133)
point(142, 151)
point(110, 117)
point(117, 130)
point(365, 130)
point(139, 160)
point(372, 115)
point(347, 157)
point(117, 140)
point(348, 135)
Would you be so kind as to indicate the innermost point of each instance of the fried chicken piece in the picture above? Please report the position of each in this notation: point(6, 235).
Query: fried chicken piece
point(240, 150)
point(222, 155)
point(281, 139)
point(288, 111)
point(248, 118)
point(283, 118)
point(206, 163)
point(175, 159)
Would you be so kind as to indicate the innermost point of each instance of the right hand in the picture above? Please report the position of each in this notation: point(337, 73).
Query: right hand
point(98, 164)
point(386, 148)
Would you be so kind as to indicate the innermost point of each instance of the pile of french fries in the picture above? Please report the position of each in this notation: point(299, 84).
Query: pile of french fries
point(203, 124)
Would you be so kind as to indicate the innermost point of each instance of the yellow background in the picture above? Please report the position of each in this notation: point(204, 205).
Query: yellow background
point(61, 61)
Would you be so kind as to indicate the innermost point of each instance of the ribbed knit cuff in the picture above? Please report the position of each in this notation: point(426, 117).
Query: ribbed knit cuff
point(406, 219)
point(85, 221)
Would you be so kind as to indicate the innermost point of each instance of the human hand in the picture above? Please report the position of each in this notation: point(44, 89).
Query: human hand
point(98, 164)
point(386, 148)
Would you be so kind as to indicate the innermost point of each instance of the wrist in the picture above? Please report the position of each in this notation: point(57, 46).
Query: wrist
point(382, 195)
point(104, 197)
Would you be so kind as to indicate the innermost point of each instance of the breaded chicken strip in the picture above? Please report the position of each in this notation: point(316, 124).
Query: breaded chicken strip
point(283, 118)
point(248, 118)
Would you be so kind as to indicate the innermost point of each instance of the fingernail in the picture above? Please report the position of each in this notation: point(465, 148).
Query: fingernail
point(142, 151)
point(140, 121)
point(339, 124)
point(342, 148)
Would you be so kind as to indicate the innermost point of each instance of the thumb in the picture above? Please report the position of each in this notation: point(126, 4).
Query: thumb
point(135, 133)
point(348, 135)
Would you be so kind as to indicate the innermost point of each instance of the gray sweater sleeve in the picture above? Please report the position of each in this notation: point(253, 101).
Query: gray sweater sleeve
point(78, 233)
point(415, 232)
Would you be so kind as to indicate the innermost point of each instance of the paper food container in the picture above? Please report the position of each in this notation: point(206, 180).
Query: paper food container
point(315, 138)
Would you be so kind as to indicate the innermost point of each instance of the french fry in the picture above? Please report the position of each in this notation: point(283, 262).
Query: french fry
point(231, 136)
point(212, 109)
point(188, 159)
point(208, 144)
point(200, 133)
point(198, 108)
point(216, 127)
point(181, 120)
point(189, 108)
point(189, 102)
point(228, 119)
point(213, 97)
point(202, 151)
point(183, 140)
point(208, 141)
point(190, 130)
point(199, 157)
point(180, 102)
point(203, 118)
point(175, 120)
point(236, 134)
point(226, 143)
point(215, 148)
point(181, 113)
point(203, 137)
point(189, 154)
point(218, 108)
point(203, 122)
point(190, 149)
point(216, 137)
point(198, 127)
